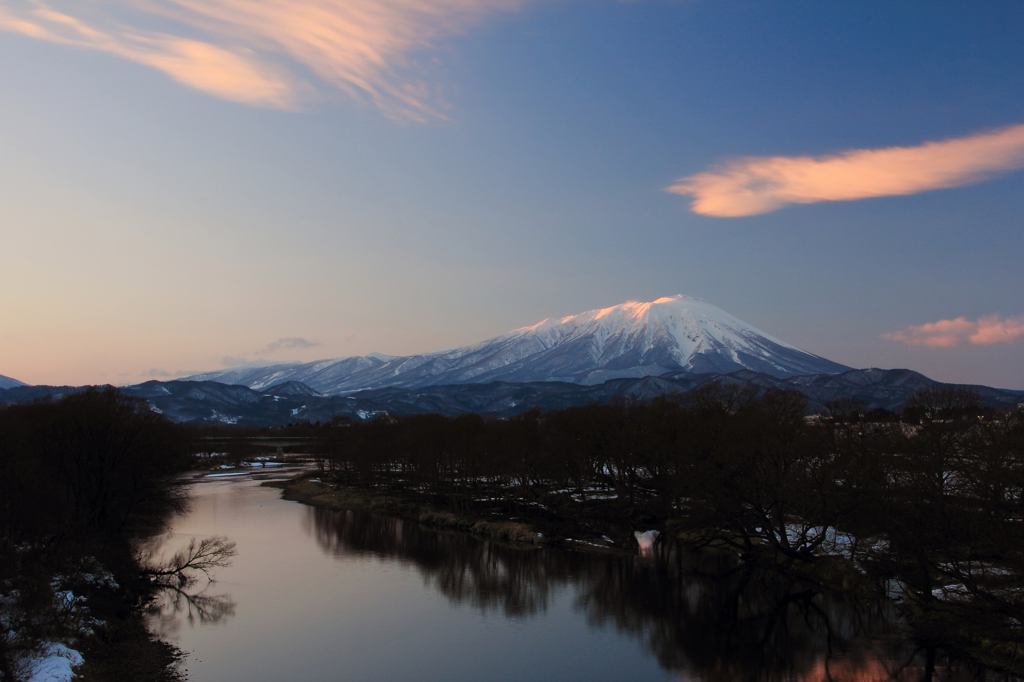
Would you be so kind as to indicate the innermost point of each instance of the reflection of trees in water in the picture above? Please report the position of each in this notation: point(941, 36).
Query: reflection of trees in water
point(173, 605)
point(461, 567)
point(696, 614)
point(175, 579)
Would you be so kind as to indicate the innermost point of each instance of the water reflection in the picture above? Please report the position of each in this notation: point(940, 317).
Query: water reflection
point(183, 577)
point(487, 576)
point(699, 615)
point(172, 606)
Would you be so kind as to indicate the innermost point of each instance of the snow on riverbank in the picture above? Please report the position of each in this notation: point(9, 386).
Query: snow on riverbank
point(52, 659)
point(55, 663)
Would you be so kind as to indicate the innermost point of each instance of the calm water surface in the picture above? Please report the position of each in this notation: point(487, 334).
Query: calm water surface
point(318, 595)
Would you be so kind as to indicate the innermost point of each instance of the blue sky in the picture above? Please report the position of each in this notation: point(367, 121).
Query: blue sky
point(186, 184)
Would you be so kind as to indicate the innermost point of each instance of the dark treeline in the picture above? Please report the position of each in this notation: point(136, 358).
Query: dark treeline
point(78, 478)
point(926, 505)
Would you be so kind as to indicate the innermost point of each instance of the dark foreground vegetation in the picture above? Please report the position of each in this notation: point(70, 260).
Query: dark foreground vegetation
point(924, 507)
point(80, 480)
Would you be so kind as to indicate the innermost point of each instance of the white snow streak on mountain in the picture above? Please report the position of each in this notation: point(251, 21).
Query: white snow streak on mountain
point(634, 339)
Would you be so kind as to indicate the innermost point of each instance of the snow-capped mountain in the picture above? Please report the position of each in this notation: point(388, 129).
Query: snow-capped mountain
point(7, 382)
point(628, 340)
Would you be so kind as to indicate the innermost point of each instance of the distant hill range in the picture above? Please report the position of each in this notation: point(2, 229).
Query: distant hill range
point(7, 382)
point(634, 351)
point(626, 341)
point(210, 402)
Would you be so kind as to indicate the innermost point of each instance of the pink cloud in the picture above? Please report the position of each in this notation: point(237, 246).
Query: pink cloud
point(755, 185)
point(992, 330)
point(233, 75)
point(986, 331)
point(260, 52)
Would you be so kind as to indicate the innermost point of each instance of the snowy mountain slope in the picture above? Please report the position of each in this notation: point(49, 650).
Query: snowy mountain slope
point(311, 374)
point(292, 389)
point(7, 382)
point(630, 340)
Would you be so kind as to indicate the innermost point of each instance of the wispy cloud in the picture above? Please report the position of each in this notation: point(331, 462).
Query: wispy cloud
point(238, 75)
point(290, 342)
point(155, 373)
point(755, 185)
point(986, 331)
point(252, 51)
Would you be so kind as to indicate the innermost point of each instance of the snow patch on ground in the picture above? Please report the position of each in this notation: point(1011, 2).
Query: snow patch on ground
point(54, 663)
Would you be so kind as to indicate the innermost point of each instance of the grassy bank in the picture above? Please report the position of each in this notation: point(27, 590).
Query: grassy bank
point(542, 527)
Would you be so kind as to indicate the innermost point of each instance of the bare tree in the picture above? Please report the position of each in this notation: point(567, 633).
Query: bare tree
point(185, 567)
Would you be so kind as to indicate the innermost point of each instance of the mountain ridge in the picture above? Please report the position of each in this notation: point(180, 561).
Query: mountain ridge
point(210, 402)
point(8, 382)
point(629, 340)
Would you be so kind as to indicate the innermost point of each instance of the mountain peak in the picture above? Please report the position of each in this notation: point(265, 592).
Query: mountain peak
point(639, 338)
point(629, 340)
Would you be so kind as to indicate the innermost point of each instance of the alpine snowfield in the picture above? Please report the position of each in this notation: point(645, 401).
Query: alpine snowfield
point(628, 340)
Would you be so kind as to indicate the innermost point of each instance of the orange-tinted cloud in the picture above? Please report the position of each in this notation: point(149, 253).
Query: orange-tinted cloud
point(992, 330)
point(248, 50)
point(232, 75)
point(987, 331)
point(755, 185)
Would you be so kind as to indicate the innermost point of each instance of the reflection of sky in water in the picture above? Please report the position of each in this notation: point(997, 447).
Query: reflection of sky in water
point(322, 595)
point(303, 613)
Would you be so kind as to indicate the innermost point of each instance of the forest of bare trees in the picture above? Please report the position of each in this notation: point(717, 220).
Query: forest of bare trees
point(926, 506)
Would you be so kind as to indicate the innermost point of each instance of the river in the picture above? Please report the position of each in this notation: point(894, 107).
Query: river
point(316, 595)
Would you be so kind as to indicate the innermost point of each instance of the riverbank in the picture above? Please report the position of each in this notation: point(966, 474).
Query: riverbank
point(542, 527)
point(66, 616)
point(960, 634)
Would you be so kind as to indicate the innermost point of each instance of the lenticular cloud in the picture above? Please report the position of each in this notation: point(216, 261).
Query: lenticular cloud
point(986, 331)
point(755, 185)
